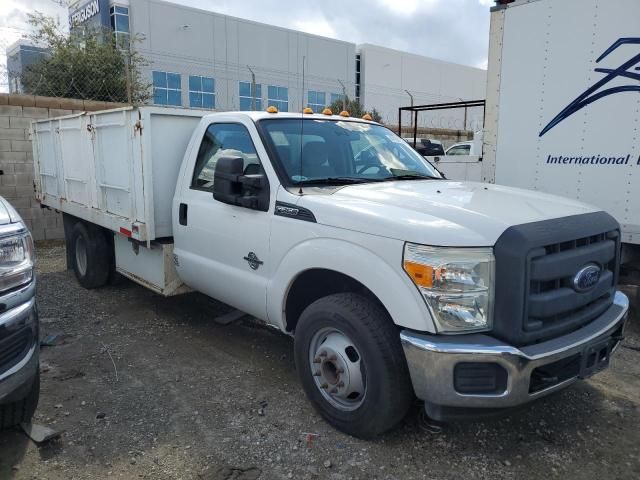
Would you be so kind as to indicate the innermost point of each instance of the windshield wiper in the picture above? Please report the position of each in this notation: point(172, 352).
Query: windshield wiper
point(411, 177)
point(336, 181)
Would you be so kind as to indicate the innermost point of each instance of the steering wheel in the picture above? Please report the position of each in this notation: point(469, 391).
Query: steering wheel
point(363, 168)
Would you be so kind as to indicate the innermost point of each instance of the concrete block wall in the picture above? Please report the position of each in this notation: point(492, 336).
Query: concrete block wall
point(16, 155)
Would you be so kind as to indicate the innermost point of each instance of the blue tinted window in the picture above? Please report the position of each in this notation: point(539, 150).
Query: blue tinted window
point(160, 96)
point(160, 79)
point(278, 97)
point(119, 19)
point(246, 99)
point(166, 88)
point(122, 23)
point(208, 85)
point(173, 80)
point(195, 83)
point(245, 89)
point(316, 101)
point(195, 99)
point(174, 97)
point(208, 100)
point(202, 92)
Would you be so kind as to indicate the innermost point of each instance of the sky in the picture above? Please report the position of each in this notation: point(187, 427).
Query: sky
point(451, 30)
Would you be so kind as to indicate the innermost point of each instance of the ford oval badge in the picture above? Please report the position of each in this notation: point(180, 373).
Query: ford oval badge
point(586, 278)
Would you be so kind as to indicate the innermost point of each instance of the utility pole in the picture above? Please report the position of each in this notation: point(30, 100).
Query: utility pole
point(412, 126)
point(253, 89)
point(344, 95)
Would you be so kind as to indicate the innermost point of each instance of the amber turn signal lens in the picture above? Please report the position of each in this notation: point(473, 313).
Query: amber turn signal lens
point(307, 110)
point(272, 109)
point(368, 117)
point(327, 111)
point(422, 275)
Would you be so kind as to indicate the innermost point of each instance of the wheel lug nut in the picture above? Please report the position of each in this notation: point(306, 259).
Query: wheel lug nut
point(333, 390)
point(324, 385)
point(332, 358)
point(323, 354)
point(341, 384)
point(317, 360)
point(316, 373)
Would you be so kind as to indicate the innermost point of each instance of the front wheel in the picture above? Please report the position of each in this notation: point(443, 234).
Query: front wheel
point(351, 364)
point(13, 414)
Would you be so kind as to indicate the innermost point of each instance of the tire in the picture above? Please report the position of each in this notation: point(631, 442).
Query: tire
point(13, 414)
point(338, 325)
point(90, 255)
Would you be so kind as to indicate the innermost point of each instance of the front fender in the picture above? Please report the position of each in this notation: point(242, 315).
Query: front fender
point(390, 285)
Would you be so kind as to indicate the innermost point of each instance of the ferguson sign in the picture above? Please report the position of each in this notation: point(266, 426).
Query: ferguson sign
point(84, 13)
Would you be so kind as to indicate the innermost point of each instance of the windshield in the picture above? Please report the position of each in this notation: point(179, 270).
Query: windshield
point(326, 151)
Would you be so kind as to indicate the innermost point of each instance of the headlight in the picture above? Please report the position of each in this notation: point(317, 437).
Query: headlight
point(456, 283)
point(16, 260)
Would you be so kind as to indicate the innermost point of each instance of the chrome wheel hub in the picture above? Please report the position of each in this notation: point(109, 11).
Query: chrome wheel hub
point(336, 367)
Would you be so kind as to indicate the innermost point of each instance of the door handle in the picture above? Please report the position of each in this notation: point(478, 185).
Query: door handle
point(182, 214)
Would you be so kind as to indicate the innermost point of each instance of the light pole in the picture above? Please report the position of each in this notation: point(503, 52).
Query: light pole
point(253, 89)
point(344, 95)
point(412, 114)
point(464, 126)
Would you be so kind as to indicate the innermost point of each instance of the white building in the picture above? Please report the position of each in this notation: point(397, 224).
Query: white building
point(204, 59)
point(390, 78)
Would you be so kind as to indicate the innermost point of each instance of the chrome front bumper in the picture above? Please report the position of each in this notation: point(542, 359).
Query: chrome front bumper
point(20, 311)
point(432, 359)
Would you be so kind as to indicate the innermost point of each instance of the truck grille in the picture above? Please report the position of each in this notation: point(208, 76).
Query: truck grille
point(14, 347)
point(542, 302)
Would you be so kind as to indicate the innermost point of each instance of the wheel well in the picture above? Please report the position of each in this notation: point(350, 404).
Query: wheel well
point(69, 222)
point(313, 284)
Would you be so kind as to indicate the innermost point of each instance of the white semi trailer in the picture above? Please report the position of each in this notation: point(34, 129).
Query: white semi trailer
point(563, 104)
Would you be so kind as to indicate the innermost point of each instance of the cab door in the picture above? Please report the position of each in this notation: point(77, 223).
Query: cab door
point(222, 250)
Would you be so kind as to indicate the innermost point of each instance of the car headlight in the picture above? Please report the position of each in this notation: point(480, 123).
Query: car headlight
point(457, 284)
point(16, 260)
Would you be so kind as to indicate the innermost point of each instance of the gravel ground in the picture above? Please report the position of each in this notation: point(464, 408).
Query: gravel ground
point(150, 387)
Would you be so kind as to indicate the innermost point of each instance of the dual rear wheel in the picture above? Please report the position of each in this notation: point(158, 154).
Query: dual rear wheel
point(90, 254)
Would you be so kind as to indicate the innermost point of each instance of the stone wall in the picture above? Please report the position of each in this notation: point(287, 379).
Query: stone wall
point(16, 155)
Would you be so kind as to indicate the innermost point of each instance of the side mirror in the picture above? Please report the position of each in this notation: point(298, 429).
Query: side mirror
point(231, 186)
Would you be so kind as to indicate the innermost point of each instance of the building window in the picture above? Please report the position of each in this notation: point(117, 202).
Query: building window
point(278, 97)
point(202, 92)
point(316, 101)
point(166, 88)
point(336, 97)
point(120, 25)
point(358, 66)
point(246, 99)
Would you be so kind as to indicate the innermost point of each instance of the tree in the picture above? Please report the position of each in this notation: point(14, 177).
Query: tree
point(88, 65)
point(355, 109)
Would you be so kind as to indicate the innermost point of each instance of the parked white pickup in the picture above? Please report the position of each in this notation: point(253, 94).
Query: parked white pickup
point(392, 280)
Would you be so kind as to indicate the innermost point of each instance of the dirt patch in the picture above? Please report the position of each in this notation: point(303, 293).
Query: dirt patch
point(149, 387)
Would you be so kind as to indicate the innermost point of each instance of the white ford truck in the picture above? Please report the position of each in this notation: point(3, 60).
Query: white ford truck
point(393, 281)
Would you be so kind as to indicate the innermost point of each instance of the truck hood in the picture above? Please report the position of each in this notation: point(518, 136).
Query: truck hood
point(7, 213)
point(437, 212)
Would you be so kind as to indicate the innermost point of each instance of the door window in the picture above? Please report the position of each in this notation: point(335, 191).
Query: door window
point(223, 140)
point(459, 150)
